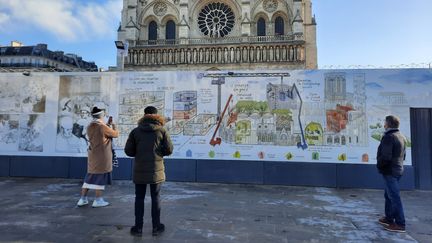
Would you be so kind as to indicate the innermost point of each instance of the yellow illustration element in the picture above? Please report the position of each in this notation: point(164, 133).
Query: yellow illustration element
point(289, 156)
point(237, 154)
point(342, 157)
point(243, 130)
point(314, 134)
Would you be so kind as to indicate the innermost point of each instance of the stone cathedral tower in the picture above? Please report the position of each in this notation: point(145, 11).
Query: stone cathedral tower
point(218, 34)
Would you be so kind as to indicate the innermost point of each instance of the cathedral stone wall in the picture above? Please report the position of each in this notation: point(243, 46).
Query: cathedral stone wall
point(218, 34)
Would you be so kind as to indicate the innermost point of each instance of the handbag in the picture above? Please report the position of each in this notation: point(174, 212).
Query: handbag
point(114, 159)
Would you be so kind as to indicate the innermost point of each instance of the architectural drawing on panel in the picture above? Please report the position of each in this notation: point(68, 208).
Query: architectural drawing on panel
point(10, 96)
point(346, 122)
point(184, 109)
point(186, 119)
point(265, 122)
point(9, 125)
point(199, 125)
point(33, 96)
point(390, 103)
point(30, 133)
point(131, 109)
point(77, 96)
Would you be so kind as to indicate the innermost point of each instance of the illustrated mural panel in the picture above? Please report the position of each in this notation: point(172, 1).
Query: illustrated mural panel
point(22, 113)
point(302, 116)
point(77, 96)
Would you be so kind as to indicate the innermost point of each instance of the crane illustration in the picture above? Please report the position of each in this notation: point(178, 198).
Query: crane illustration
point(219, 79)
point(218, 140)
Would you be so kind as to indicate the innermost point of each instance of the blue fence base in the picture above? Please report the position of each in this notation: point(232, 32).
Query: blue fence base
point(220, 171)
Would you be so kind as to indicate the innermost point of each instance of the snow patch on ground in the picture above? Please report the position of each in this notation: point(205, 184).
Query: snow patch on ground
point(52, 188)
point(210, 235)
point(36, 224)
point(361, 213)
point(315, 221)
point(177, 192)
point(5, 182)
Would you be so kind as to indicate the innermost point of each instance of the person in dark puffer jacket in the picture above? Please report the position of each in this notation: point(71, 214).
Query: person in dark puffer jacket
point(148, 143)
point(390, 157)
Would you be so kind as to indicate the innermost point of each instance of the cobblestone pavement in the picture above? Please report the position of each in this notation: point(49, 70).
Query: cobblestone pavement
point(43, 210)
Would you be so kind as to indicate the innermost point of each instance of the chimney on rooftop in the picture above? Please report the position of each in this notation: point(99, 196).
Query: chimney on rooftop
point(16, 44)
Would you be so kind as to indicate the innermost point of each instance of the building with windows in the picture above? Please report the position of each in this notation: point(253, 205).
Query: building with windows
point(19, 58)
point(335, 87)
point(218, 34)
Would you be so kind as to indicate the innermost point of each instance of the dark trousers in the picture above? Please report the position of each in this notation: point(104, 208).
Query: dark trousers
point(140, 191)
point(393, 203)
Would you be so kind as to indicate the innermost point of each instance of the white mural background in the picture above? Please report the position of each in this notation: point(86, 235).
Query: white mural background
point(303, 116)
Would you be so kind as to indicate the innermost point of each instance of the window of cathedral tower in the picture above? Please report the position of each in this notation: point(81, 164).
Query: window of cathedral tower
point(152, 31)
point(170, 30)
point(281, 23)
point(159, 11)
point(216, 20)
point(144, 33)
point(260, 24)
point(279, 26)
point(261, 27)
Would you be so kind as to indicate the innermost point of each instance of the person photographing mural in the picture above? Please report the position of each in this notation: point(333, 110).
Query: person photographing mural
point(390, 157)
point(148, 143)
point(114, 155)
point(99, 162)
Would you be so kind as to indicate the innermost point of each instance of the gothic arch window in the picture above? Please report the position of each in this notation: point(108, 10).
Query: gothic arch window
point(170, 32)
point(216, 20)
point(152, 31)
point(279, 26)
point(261, 27)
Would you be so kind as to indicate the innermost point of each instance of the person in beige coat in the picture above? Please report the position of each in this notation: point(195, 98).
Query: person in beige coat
point(99, 162)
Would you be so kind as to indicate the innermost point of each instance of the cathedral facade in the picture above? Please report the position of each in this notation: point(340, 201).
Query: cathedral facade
point(218, 35)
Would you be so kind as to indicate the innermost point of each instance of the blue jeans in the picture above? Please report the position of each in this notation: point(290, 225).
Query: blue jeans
point(393, 204)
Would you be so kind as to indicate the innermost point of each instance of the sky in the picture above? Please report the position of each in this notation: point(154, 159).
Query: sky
point(350, 33)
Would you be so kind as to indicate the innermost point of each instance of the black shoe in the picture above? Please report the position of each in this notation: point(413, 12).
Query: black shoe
point(158, 230)
point(135, 231)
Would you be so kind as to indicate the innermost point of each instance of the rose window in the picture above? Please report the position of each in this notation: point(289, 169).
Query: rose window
point(216, 20)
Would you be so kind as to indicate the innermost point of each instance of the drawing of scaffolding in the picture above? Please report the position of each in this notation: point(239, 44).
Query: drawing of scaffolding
point(184, 109)
point(131, 109)
point(199, 125)
point(254, 128)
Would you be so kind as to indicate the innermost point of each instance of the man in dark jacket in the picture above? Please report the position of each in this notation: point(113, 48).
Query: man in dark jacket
point(390, 157)
point(148, 143)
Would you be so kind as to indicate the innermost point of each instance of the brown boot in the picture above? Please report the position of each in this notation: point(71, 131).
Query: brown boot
point(384, 221)
point(395, 228)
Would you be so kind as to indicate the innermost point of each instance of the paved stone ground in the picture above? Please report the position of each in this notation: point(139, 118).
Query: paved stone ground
point(43, 210)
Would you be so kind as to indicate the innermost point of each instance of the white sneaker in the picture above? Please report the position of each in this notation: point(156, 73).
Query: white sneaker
point(100, 203)
point(82, 202)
